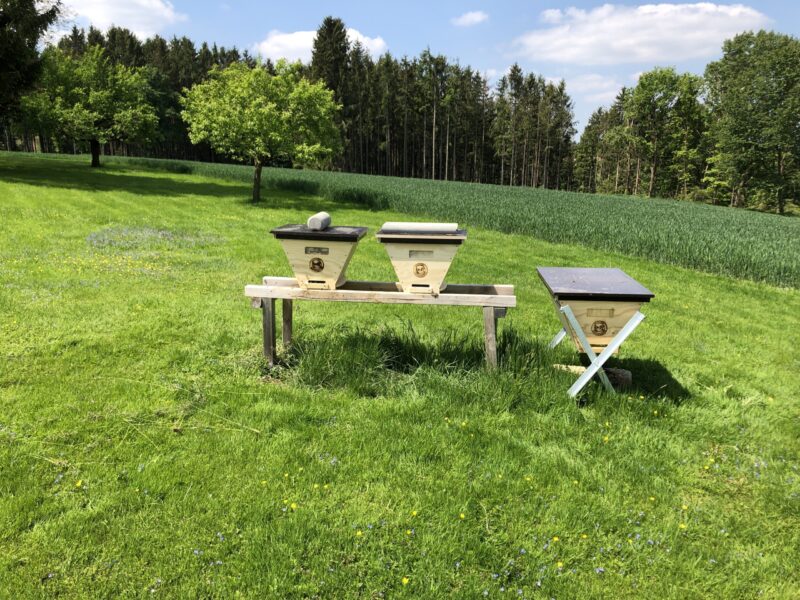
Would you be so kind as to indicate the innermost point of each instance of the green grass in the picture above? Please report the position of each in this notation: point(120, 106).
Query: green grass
point(744, 244)
point(144, 445)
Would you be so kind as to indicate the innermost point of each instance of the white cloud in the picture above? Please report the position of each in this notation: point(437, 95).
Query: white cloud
point(374, 45)
point(468, 19)
point(594, 87)
point(144, 17)
point(297, 45)
point(551, 15)
point(291, 46)
point(614, 33)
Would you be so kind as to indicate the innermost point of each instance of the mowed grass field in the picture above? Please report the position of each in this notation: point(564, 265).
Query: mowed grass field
point(145, 448)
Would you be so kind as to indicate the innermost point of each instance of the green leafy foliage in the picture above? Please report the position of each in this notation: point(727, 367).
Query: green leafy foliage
point(754, 92)
point(90, 98)
point(22, 24)
point(253, 115)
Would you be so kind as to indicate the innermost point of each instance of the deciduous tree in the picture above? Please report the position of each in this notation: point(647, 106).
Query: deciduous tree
point(250, 114)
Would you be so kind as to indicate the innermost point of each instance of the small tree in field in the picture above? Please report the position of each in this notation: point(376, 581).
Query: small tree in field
point(89, 98)
point(251, 115)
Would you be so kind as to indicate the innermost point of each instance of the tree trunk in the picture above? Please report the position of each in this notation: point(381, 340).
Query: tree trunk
point(95, 146)
point(257, 180)
point(433, 143)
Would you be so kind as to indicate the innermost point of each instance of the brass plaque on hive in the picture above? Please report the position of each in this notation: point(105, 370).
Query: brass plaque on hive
point(316, 264)
point(316, 250)
point(599, 327)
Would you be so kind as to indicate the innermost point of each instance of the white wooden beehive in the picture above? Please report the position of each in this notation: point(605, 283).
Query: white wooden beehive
point(319, 259)
point(421, 253)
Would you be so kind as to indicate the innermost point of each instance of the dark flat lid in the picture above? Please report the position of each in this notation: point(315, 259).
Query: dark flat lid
point(567, 283)
point(422, 237)
point(340, 233)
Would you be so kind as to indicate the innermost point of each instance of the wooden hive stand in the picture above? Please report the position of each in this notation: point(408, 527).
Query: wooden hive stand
point(493, 299)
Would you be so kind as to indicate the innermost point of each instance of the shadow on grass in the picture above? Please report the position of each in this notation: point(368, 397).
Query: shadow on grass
point(651, 378)
point(370, 363)
point(114, 177)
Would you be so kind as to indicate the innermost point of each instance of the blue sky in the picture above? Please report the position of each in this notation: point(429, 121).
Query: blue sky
point(596, 47)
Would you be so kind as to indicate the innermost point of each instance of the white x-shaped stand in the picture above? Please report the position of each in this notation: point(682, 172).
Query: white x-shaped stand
point(597, 361)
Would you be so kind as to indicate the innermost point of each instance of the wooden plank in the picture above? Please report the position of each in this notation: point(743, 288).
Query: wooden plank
point(268, 326)
point(568, 283)
point(286, 315)
point(386, 286)
point(386, 292)
point(474, 296)
point(490, 336)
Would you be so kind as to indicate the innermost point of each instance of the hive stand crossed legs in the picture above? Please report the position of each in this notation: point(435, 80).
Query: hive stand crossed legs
point(570, 323)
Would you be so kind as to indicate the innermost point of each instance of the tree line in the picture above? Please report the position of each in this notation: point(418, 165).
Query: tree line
point(729, 137)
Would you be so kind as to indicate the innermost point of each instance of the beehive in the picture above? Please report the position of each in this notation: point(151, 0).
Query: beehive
point(319, 259)
point(602, 300)
point(421, 253)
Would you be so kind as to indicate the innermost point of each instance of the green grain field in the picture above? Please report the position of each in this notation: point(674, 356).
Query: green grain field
point(740, 243)
point(146, 449)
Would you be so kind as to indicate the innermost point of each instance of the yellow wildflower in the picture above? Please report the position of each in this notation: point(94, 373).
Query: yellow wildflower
point(414, 513)
point(682, 525)
point(605, 439)
point(79, 483)
point(359, 533)
point(556, 538)
point(584, 536)
point(405, 580)
point(293, 506)
point(462, 516)
point(684, 507)
point(560, 565)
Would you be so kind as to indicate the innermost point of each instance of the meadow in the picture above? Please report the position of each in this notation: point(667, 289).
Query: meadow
point(146, 449)
point(740, 243)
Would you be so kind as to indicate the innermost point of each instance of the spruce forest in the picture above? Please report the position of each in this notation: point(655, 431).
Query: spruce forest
point(674, 135)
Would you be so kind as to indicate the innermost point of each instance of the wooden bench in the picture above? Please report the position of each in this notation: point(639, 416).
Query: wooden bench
point(494, 299)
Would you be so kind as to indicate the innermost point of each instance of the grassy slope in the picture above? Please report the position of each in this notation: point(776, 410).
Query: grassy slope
point(741, 243)
point(144, 446)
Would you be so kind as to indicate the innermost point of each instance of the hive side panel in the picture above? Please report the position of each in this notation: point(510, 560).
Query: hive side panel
point(600, 321)
point(421, 267)
point(317, 264)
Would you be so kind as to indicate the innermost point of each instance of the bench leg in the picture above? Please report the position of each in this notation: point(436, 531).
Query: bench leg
point(268, 324)
point(287, 323)
point(490, 316)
